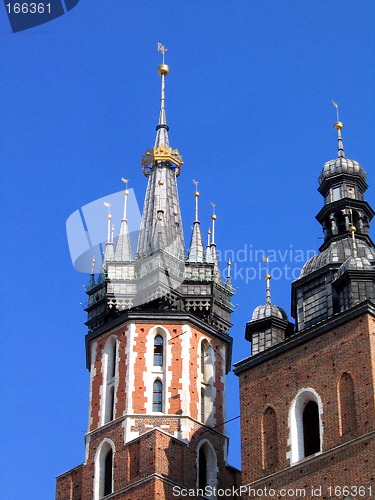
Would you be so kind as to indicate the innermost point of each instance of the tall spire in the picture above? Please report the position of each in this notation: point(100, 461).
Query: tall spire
point(162, 127)
point(123, 252)
point(161, 226)
point(196, 250)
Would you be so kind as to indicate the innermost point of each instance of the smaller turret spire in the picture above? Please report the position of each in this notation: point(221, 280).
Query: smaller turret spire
point(213, 218)
point(196, 250)
point(339, 126)
point(108, 253)
point(213, 246)
point(109, 217)
point(123, 251)
point(196, 195)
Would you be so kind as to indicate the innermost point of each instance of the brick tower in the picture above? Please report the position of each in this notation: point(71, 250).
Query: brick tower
point(307, 393)
point(158, 351)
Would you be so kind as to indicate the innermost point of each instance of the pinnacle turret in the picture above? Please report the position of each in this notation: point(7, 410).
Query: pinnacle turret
point(196, 249)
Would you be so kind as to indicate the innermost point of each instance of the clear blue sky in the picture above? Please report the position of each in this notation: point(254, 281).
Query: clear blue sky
point(248, 105)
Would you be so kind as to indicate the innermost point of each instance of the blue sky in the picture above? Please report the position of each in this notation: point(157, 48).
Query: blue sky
point(248, 105)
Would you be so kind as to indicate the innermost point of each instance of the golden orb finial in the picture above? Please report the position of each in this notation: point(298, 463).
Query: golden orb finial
point(163, 69)
point(267, 277)
point(338, 126)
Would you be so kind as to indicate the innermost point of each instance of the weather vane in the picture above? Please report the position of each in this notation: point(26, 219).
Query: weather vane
point(162, 49)
point(337, 109)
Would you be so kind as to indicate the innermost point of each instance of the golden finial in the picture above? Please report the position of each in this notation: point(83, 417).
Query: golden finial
point(163, 69)
point(213, 216)
point(125, 181)
point(196, 187)
point(196, 194)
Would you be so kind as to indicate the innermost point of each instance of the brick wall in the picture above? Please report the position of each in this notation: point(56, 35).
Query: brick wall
point(317, 364)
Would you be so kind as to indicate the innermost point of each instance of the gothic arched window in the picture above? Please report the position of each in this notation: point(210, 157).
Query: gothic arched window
point(306, 429)
point(311, 429)
point(158, 351)
point(109, 377)
point(207, 466)
point(103, 478)
point(157, 396)
point(207, 382)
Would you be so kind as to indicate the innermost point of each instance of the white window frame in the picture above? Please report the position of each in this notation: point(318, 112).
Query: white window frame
point(297, 407)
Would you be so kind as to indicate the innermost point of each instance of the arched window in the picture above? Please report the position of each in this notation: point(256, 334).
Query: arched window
point(207, 392)
point(203, 404)
point(113, 360)
point(207, 466)
point(108, 468)
point(202, 478)
point(269, 439)
point(158, 351)
point(203, 359)
point(109, 378)
point(347, 410)
point(306, 429)
point(311, 429)
point(157, 396)
point(103, 478)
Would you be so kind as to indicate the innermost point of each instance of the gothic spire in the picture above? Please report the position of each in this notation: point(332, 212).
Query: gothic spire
point(196, 250)
point(161, 226)
point(123, 252)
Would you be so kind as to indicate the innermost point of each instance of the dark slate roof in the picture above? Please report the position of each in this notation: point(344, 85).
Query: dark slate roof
point(355, 264)
point(340, 166)
point(268, 310)
point(337, 253)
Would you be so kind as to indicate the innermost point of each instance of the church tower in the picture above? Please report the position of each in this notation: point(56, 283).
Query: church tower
point(158, 350)
point(307, 393)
